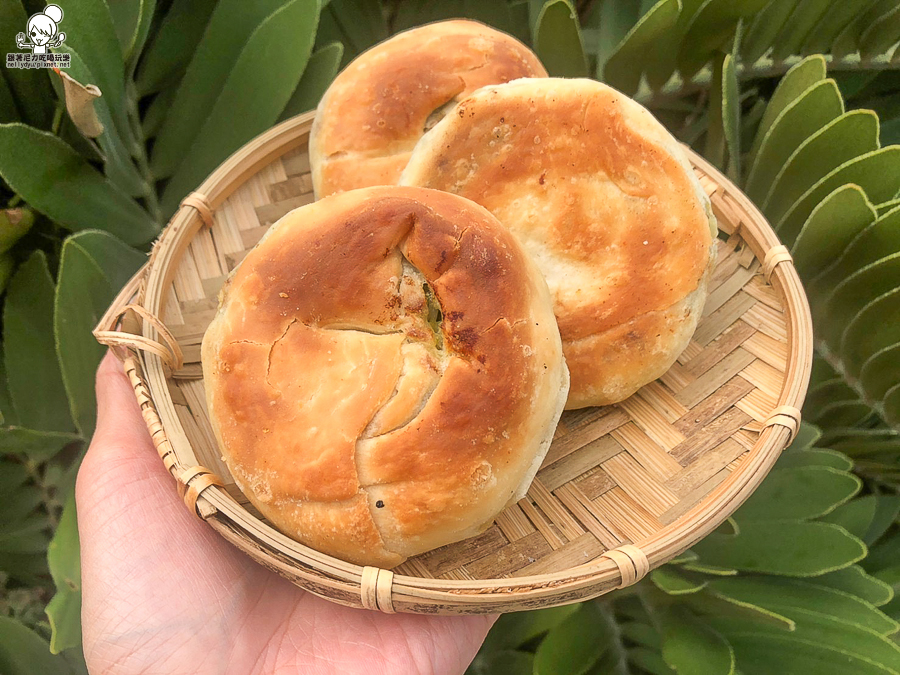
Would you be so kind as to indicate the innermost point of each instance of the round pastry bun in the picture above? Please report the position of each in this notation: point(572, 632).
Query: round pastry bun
point(604, 200)
point(378, 107)
point(384, 374)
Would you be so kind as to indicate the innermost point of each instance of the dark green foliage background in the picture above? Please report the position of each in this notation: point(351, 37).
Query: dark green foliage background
point(797, 100)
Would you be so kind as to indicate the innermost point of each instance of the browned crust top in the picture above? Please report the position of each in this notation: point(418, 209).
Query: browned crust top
point(596, 190)
point(314, 338)
point(378, 107)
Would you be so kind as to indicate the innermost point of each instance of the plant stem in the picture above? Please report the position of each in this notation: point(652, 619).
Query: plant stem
point(677, 88)
point(618, 647)
point(140, 151)
point(57, 118)
point(34, 471)
point(835, 362)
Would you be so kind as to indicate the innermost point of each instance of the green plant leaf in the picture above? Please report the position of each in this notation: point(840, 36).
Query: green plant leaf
point(854, 293)
point(574, 645)
point(32, 370)
point(848, 40)
point(642, 634)
point(875, 172)
point(881, 35)
point(14, 224)
point(710, 569)
point(363, 24)
point(765, 26)
point(93, 266)
point(887, 206)
point(8, 110)
point(799, 79)
point(880, 373)
point(511, 631)
point(558, 42)
point(711, 28)
point(692, 647)
point(850, 135)
point(320, 71)
point(855, 581)
point(53, 177)
point(854, 516)
point(662, 61)
point(759, 654)
point(252, 97)
point(7, 413)
point(880, 238)
point(38, 446)
point(803, 117)
point(891, 406)
point(720, 606)
point(731, 118)
point(63, 556)
point(24, 652)
point(606, 27)
point(815, 457)
point(830, 228)
point(156, 112)
point(839, 15)
point(798, 494)
point(885, 553)
point(669, 581)
point(119, 167)
point(23, 525)
point(795, 31)
point(496, 14)
point(90, 32)
point(806, 437)
point(141, 33)
point(171, 48)
point(624, 67)
point(843, 414)
point(126, 15)
point(506, 662)
point(648, 660)
point(790, 548)
point(797, 600)
point(30, 87)
point(829, 633)
point(715, 131)
point(868, 332)
point(215, 58)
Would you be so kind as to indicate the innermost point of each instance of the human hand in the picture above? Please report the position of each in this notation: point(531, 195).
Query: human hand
point(164, 593)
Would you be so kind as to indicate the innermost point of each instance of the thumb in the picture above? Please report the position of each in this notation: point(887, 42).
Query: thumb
point(122, 485)
point(121, 442)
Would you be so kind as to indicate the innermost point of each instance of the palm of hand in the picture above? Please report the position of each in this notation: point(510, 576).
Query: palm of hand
point(163, 593)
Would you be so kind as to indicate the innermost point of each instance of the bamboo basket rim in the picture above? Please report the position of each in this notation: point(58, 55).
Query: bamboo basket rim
point(149, 369)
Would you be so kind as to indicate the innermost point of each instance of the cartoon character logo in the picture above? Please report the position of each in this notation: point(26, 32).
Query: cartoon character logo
point(43, 29)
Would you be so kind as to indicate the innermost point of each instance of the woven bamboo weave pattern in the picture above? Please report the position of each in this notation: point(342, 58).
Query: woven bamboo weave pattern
point(613, 475)
point(623, 488)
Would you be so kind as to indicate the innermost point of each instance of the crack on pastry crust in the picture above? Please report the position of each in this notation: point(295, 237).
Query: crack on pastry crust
point(367, 396)
point(598, 193)
point(428, 69)
point(271, 350)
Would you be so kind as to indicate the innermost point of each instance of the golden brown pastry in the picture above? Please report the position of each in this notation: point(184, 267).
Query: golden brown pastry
point(604, 200)
point(376, 110)
point(384, 374)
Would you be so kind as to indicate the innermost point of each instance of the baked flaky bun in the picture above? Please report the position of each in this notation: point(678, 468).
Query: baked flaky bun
point(604, 200)
point(376, 110)
point(384, 374)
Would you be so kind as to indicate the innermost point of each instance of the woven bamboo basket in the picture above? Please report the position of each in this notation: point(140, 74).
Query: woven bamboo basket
point(623, 489)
